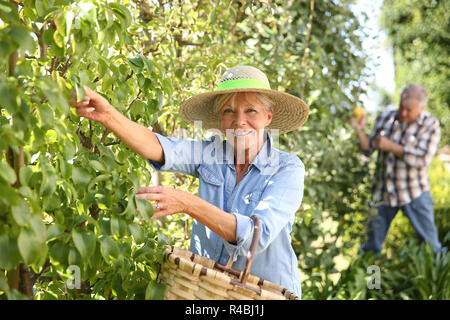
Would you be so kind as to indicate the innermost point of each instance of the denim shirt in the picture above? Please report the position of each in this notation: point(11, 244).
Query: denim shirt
point(272, 189)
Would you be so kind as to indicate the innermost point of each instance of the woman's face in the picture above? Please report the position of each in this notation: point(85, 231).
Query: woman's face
point(243, 120)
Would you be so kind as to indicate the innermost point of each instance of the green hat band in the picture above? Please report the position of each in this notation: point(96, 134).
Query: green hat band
point(242, 84)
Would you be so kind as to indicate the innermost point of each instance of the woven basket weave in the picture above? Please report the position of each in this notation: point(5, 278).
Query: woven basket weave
point(188, 276)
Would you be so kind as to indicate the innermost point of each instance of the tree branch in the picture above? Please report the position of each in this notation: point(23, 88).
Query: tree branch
point(42, 46)
point(13, 63)
point(238, 18)
point(134, 100)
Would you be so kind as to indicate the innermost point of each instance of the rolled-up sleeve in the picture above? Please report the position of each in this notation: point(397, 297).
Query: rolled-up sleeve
point(419, 152)
point(180, 155)
point(276, 210)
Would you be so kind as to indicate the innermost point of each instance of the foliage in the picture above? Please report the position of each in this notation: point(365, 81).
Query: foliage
point(418, 31)
point(415, 273)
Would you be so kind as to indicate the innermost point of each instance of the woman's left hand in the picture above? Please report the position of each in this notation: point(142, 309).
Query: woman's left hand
point(167, 200)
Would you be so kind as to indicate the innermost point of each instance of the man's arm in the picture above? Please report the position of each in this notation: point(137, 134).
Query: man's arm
point(363, 140)
point(384, 144)
point(358, 125)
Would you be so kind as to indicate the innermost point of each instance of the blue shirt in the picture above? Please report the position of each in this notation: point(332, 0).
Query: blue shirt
point(272, 189)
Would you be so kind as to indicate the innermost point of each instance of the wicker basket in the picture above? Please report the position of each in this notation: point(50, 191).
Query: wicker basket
point(188, 276)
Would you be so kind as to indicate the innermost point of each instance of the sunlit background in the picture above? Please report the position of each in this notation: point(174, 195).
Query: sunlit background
point(377, 46)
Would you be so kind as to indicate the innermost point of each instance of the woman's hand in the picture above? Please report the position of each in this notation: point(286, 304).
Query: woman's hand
point(93, 106)
point(168, 201)
point(171, 201)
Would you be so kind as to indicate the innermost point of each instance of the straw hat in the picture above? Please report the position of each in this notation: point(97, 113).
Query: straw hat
point(290, 112)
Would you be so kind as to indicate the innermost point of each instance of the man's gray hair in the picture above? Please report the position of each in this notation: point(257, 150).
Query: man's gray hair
point(415, 91)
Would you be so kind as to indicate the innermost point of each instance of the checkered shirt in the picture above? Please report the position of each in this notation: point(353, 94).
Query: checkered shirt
point(399, 181)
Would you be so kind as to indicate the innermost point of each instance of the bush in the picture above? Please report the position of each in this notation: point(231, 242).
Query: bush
point(415, 273)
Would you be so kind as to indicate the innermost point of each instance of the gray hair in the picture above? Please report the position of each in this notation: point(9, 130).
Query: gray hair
point(415, 91)
point(222, 98)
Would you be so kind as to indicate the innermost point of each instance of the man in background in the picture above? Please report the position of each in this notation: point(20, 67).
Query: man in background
point(406, 139)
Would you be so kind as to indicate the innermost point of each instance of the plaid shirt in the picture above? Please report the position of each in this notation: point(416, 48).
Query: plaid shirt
point(399, 181)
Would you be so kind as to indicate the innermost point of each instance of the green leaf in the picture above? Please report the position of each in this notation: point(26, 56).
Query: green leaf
point(54, 95)
point(51, 203)
point(70, 14)
point(137, 233)
point(48, 185)
point(74, 257)
point(59, 252)
point(118, 227)
point(60, 22)
point(21, 36)
point(99, 178)
point(69, 149)
point(145, 208)
point(26, 191)
point(9, 94)
point(41, 7)
point(55, 231)
point(9, 195)
point(5, 48)
point(130, 210)
point(48, 36)
point(85, 242)
point(21, 212)
point(58, 39)
point(81, 177)
point(138, 108)
point(121, 12)
point(46, 114)
point(9, 252)
point(7, 173)
point(38, 227)
point(8, 12)
point(89, 12)
point(80, 92)
point(25, 174)
point(136, 64)
point(109, 248)
point(97, 165)
point(29, 246)
point(154, 291)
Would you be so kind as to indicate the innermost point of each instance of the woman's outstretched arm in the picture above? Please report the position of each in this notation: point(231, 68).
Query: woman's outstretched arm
point(137, 137)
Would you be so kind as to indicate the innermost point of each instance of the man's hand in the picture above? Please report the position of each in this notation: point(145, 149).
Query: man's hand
point(384, 144)
point(358, 123)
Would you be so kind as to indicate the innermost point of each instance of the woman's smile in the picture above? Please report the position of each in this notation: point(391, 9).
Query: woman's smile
point(241, 133)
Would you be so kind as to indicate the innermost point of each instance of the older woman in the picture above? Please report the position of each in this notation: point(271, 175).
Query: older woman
point(240, 176)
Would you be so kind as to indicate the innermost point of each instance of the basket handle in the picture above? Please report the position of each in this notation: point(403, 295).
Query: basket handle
point(251, 252)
